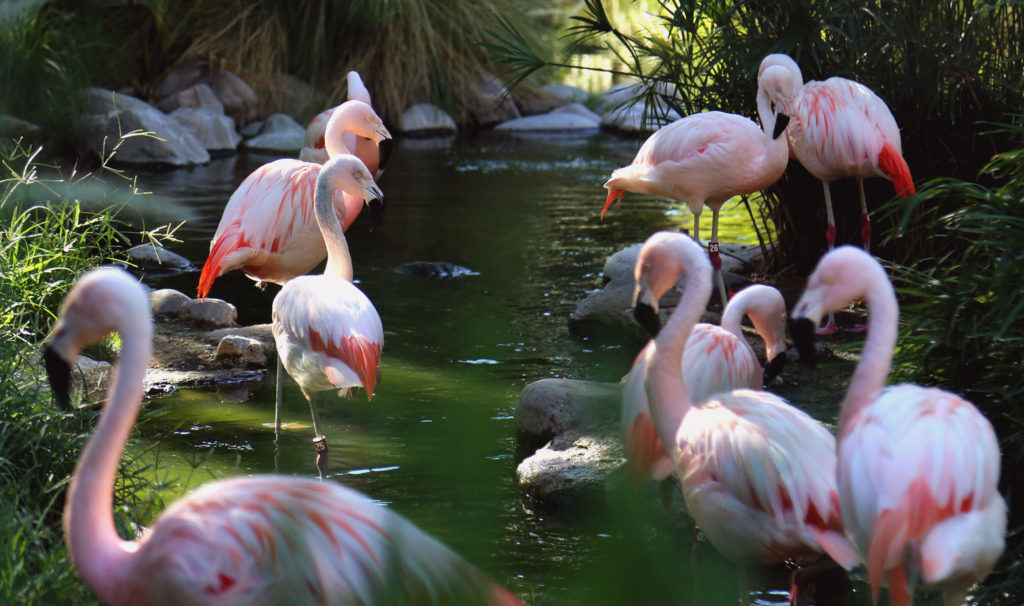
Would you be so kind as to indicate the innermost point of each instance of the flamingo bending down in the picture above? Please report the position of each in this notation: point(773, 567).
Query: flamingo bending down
point(717, 359)
point(255, 540)
point(708, 158)
point(918, 467)
point(327, 332)
point(841, 128)
point(758, 475)
point(268, 229)
point(373, 155)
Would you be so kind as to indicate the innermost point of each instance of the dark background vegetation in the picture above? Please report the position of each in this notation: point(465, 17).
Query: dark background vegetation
point(951, 72)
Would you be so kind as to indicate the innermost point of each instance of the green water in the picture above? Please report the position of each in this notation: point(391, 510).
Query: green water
point(437, 442)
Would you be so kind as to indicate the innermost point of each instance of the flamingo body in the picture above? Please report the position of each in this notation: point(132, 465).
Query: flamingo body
point(254, 541)
point(917, 467)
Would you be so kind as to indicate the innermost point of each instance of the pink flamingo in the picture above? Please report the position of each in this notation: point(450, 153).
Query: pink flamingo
point(841, 128)
point(717, 359)
point(327, 332)
point(254, 540)
point(918, 467)
point(267, 229)
point(373, 155)
point(708, 158)
point(757, 474)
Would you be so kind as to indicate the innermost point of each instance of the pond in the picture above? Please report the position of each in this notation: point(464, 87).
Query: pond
point(437, 442)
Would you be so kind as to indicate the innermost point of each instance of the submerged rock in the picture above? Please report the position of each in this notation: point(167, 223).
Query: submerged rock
point(570, 471)
point(280, 133)
point(435, 269)
point(150, 256)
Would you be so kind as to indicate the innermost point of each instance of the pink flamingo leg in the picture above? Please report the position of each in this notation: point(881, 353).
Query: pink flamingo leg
point(830, 327)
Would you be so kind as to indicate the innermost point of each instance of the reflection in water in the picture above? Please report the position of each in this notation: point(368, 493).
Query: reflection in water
point(437, 441)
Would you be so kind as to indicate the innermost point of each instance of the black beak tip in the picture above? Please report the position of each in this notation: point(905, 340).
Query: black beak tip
point(648, 318)
point(802, 330)
point(781, 122)
point(384, 152)
point(58, 371)
point(376, 212)
point(774, 368)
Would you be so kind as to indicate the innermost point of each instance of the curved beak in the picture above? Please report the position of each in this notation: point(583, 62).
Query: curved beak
point(614, 195)
point(774, 368)
point(384, 151)
point(58, 371)
point(374, 199)
point(802, 330)
point(647, 316)
point(781, 122)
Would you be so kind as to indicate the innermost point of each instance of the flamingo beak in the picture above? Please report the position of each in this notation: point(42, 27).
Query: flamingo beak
point(802, 329)
point(58, 371)
point(614, 195)
point(781, 122)
point(375, 203)
point(774, 368)
point(648, 318)
point(384, 151)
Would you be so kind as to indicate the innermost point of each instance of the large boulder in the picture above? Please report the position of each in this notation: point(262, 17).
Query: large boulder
point(551, 407)
point(570, 472)
point(424, 119)
point(111, 115)
point(239, 99)
point(280, 134)
point(576, 117)
point(624, 111)
point(495, 106)
point(199, 110)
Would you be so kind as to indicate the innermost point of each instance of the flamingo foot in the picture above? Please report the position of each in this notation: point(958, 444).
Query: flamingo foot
point(830, 328)
point(320, 444)
point(865, 231)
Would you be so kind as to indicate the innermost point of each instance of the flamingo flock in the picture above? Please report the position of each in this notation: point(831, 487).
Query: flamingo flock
point(906, 488)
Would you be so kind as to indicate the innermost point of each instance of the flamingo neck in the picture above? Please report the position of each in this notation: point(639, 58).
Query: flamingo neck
point(339, 260)
point(99, 554)
point(666, 393)
point(338, 125)
point(876, 358)
point(735, 309)
point(776, 149)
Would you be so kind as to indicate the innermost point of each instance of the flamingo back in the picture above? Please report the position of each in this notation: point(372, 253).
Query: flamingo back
point(717, 361)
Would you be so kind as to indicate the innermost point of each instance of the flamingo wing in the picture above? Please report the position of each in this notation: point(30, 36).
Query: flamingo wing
point(918, 469)
point(717, 361)
point(278, 540)
point(328, 331)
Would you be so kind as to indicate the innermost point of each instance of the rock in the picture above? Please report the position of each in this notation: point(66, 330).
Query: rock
point(293, 96)
point(239, 99)
point(606, 314)
point(210, 312)
point(551, 121)
point(536, 101)
point(167, 301)
point(197, 96)
point(150, 256)
point(550, 407)
point(631, 119)
point(260, 332)
point(172, 144)
point(215, 132)
point(240, 350)
point(424, 119)
point(495, 106)
point(578, 109)
point(570, 472)
point(434, 269)
point(12, 126)
point(280, 133)
point(251, 129)
point(92, 378)
point(571, 94)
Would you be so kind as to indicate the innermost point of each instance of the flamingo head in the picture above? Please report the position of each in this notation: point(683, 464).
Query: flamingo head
point(769, 318)
point(776, 85)
point(658, 267)
point(841, 277)
point(358, 118)
point(348, 173)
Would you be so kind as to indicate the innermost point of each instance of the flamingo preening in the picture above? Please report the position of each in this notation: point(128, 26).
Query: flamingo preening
point(757, 474)
point(841, 128)
point(717, 359)
point(268, 229)
point(327, 332)
point(918, 467)
point(259, 540)
point(708, 158)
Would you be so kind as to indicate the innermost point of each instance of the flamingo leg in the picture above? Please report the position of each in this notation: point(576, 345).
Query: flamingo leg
point(865, 219)
point(830, 237)
point(278, 396)
point(696, 226)
point(319, 440)
point(716, 259)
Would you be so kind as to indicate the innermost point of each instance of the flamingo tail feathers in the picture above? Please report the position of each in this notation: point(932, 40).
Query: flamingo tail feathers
point(895, 168)
point(836, 545)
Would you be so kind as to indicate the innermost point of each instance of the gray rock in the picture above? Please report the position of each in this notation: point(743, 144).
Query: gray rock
point(167, 301)
point(215, 132)
point(578, 109)
point(551, 121)
point(251, 129)
point(435, 269)
point(171, 144)
point(536, 101)
point(572, 94)
point(630, 119)
point(197, 96)
point(210, 312)
point(151, 256)
point(260, 332)
point(92, 377)
point(239, 99)
point(425, 119)
point(280, 133)
point(570, 472)
point(12, 126)
point(240, 350)
point(550, 407)
point(495, 107)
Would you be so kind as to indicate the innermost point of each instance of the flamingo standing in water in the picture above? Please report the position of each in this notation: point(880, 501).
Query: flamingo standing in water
point(374, 156)
point(327, 332)
point(841, 128)
point(758, 475)
point(717, 359)
point(258, 540)
point(708, 158)
point(918, 467)
point(268, 229)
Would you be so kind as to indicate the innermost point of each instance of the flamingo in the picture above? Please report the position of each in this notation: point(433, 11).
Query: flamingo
point(708, 158)
point(327, 332)
point(254, 540)
point(757, 474)
point(917, 467)
point(841, 128)
point(717, 359)
point(267, 229)
point(374, 156)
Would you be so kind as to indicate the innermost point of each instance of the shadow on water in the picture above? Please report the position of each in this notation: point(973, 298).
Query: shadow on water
point(436, 443)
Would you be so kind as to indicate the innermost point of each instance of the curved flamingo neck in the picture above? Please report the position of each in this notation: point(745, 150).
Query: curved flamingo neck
point(876, 358)
point(735, 309)
point(338, 125)
point(339, 260)
point(666, 393)
point(99, 554)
